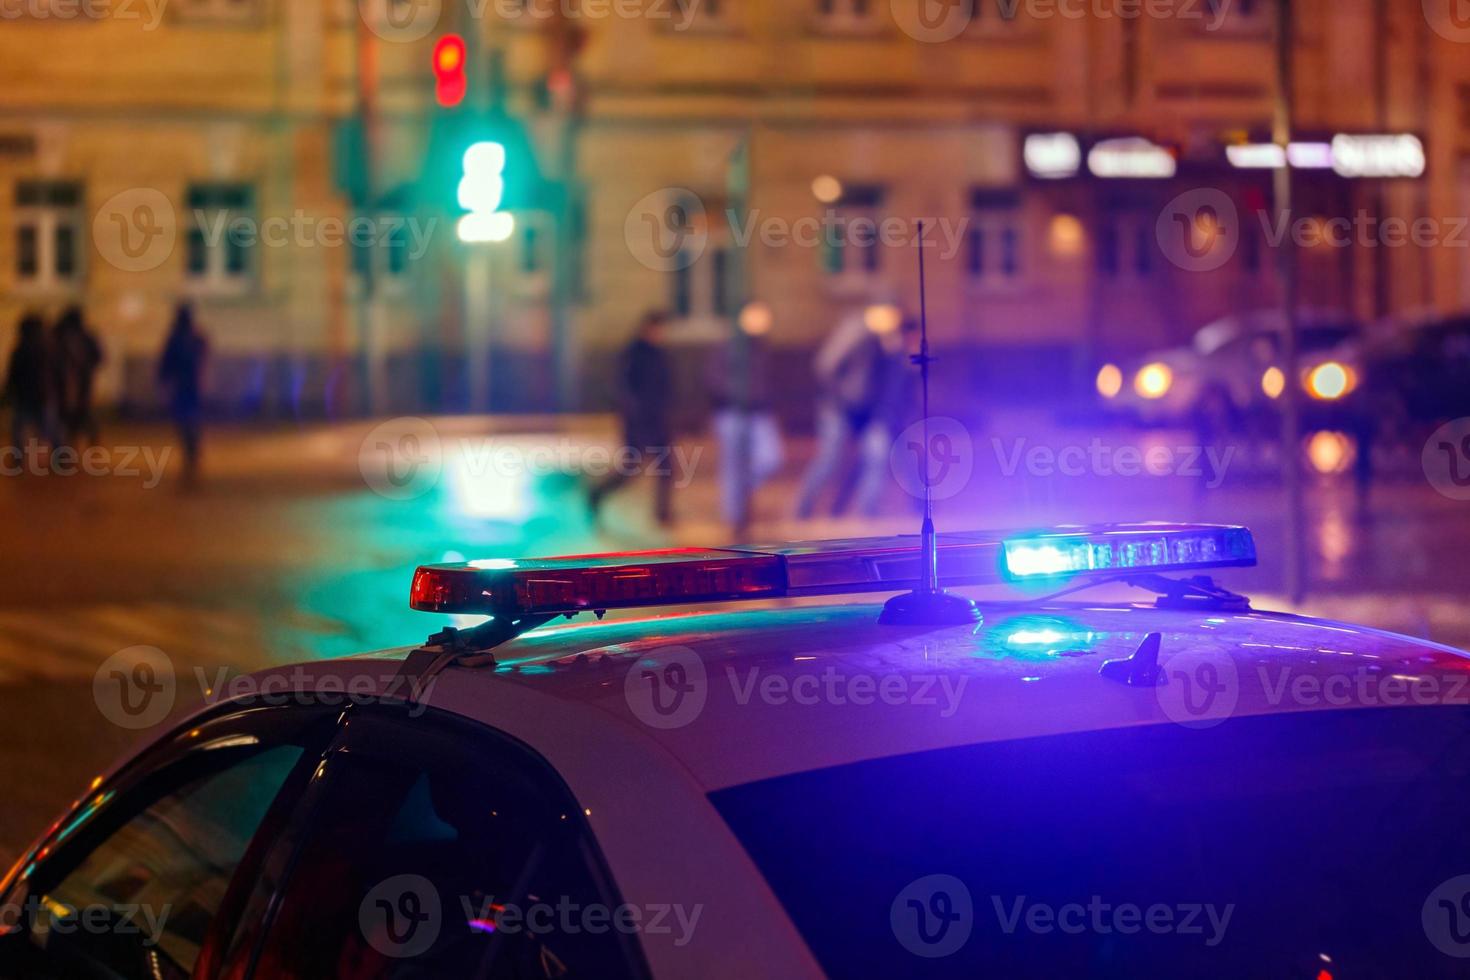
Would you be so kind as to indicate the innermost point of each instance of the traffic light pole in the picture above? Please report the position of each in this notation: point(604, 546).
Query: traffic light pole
point(371, 368)
point(1294, 565)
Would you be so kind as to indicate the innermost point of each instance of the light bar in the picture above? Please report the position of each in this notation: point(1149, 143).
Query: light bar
point(1132, 549)
point(552, 586)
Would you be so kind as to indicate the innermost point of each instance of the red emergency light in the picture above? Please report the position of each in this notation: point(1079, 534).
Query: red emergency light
point(451, 80)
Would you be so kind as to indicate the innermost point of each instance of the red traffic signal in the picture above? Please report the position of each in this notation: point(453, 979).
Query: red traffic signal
point(450, 81)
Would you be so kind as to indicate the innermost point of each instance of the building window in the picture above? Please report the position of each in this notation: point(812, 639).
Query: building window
point(993, 241)
point(700, 291)
point(48, 234)
point(387, 240)
point(1126, 247)
point(847, 16)
point(852, 249)
point(223, 237)
point(231, 11)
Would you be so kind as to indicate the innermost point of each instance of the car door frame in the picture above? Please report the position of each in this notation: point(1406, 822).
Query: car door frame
point(365, 723)
point(166, 765)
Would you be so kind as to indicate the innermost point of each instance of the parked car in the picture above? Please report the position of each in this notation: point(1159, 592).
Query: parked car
point(1418, 373)
point(1231, 376)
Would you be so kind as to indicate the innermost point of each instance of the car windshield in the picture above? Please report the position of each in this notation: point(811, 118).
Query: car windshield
point(1307, 845)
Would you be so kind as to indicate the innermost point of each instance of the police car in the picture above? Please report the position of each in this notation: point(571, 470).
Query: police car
point(780, 783)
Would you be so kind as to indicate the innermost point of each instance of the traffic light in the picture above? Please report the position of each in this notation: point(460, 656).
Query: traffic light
point(481, 192)
point(450, 79)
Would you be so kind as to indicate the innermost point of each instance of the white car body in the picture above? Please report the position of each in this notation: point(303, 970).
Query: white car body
point(1029, 671)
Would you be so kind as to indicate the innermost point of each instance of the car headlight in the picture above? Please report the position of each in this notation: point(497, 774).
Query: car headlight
point(1330, 381)
point(1109, 381)
point(1153, 381)
point(1273, 382)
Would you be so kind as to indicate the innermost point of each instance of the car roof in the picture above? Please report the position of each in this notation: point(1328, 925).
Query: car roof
point(787, 690)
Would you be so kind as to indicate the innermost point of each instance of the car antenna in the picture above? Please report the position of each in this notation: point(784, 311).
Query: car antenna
point(928, 605)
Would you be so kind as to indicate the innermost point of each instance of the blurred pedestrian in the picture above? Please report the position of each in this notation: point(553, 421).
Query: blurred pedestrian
point(180, 372)
point(738, 376)
point(28, 388)
point(644, 397)
point(77, 355)
point(895, 405)
point(848, 369)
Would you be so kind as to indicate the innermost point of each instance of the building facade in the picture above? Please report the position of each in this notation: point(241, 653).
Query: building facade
point(285, 167)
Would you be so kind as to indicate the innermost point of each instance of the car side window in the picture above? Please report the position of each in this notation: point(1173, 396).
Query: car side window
point(443, 851)
point(131, 885)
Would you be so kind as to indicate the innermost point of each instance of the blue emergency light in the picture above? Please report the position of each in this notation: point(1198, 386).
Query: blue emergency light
point(515, 589)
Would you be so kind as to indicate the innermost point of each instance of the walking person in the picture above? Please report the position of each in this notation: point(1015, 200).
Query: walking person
point(738, 376)
point(28, 387)
point(847, 370)
point(180, 372)
point(895, 386)
point(77, 356)
point(644, 397)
